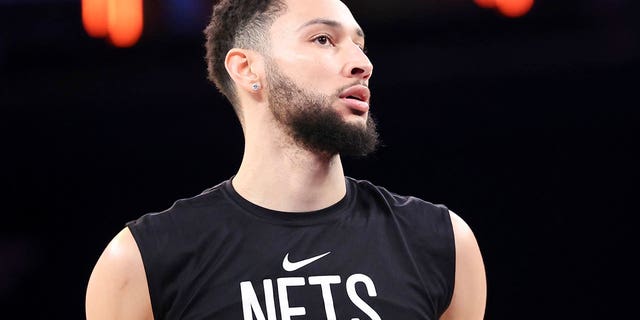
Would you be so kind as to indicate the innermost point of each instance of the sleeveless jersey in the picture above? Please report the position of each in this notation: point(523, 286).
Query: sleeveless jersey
point(372, 255)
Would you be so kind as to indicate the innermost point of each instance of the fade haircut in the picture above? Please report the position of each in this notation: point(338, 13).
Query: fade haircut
point(237, 24)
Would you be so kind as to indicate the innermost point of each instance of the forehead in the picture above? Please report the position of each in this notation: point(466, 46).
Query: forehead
point(300, 12)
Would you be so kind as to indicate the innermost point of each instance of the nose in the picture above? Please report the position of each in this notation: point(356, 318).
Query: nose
point(358, 64)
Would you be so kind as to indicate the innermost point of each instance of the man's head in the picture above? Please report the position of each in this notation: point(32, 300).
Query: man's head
point(308, 56)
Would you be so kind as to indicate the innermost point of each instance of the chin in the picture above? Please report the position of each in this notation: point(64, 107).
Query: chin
point(357, 119)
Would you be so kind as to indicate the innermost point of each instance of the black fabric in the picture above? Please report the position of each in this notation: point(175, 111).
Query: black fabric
point(378, 256)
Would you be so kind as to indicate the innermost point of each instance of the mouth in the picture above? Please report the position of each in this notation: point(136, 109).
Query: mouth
point(354, 97)
point(357, 98)
point(357, 92)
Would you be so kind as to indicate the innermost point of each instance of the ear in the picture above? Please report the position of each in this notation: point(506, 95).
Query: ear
point(243, 67)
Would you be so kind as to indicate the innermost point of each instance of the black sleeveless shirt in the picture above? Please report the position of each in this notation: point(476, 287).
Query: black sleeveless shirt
point(372, 255)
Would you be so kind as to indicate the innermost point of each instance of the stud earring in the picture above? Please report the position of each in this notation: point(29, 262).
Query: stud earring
point(255, 86)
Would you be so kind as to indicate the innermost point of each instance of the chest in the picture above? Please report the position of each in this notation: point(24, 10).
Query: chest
point(337, 271)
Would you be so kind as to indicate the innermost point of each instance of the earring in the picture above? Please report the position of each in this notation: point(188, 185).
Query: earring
point(255, 86)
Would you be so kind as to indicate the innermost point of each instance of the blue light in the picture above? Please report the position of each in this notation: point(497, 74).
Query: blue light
point(186, 16)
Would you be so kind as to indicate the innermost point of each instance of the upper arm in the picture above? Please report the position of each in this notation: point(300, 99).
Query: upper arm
point(470, 289)
point(117, 287)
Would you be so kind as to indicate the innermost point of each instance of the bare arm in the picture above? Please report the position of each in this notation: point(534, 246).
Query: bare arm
point(470, 291)
point(117, 287)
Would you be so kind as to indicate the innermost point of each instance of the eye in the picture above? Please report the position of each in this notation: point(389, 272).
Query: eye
point(323, 40)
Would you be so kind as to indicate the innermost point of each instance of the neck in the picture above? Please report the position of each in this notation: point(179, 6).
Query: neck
point(290, 179)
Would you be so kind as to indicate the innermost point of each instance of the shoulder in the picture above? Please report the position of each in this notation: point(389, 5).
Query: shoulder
point(463, 234)
point(447, 246)
point(182, 211)
point(470, 290)
point(426, 221)
point(395, 199)
point(117, 286)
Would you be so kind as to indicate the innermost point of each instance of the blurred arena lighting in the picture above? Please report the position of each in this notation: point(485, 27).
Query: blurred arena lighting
point(514, 8)
point(487, 4)
point(120, 21)
point(94, 17)
point(508, 8)
point(186, 16)
point(125, 22)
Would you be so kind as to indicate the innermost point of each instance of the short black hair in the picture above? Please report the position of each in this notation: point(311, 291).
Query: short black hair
point(237, 24)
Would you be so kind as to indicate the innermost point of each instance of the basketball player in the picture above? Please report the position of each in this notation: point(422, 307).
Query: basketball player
point(289, 236)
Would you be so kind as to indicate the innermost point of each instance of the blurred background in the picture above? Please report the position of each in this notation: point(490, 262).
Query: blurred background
point(521, 116)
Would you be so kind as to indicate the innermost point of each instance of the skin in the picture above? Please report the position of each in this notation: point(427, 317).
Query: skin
point(276, 173)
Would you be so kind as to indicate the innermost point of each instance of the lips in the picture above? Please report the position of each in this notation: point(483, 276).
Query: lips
point(357, 97)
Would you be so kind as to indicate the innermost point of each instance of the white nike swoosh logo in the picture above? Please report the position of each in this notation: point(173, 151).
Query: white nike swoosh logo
point(293, 266)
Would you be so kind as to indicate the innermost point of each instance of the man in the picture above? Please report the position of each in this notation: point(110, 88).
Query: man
point(289, 236)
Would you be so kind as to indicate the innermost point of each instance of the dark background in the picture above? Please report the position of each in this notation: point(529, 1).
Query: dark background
point(527, 128)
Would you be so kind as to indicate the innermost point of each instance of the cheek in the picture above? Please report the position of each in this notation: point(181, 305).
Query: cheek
point(309, 65)
point(318, 73)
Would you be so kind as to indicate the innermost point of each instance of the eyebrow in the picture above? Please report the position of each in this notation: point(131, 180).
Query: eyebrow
point(330, 23)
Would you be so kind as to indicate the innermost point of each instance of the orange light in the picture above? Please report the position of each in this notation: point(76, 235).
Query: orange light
point(487, 4)
point(94, 17)
point(514, 8)
point(121, 21)
point(125, 21)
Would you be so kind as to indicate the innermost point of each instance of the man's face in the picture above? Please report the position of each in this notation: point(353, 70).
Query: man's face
point(317, 77)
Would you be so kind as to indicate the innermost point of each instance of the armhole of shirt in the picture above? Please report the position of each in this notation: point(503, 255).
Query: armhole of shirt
point(452, 252)
point(137, 237)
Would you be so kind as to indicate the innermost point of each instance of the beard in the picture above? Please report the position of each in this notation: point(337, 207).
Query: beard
point(311, 121)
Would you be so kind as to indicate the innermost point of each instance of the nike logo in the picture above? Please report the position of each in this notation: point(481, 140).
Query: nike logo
point(293, 266)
